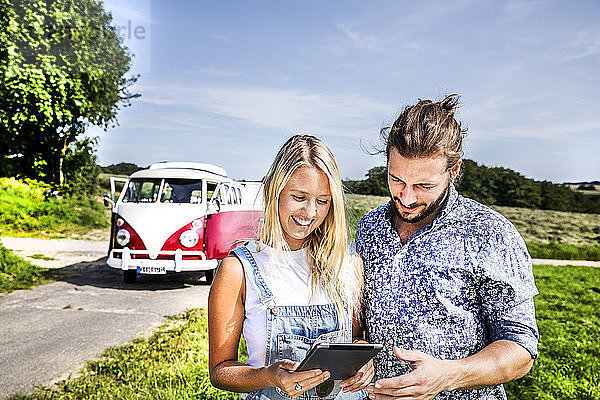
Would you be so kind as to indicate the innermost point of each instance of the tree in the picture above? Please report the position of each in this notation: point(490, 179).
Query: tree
point(81, 170)
point(65, 69)
point(121, 168)
point(375, 184)
point(495, 186)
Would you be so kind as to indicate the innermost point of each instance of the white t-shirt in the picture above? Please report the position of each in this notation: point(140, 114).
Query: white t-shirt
point(290, 282)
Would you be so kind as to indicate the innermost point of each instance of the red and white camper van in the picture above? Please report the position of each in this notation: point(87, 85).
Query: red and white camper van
point(179, 216)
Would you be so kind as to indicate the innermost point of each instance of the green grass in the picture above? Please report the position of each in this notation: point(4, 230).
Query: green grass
point(16, 273)
point(591, 193)
point(26, 212)
point(546, 226)
point(569, 322)
point(548, 234)
point(172, 364)
point(41, 257)
point(563, 251)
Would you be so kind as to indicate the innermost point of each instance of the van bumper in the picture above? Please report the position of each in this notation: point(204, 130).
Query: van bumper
point(176, 263)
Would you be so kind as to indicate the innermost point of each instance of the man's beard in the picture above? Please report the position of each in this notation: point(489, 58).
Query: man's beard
point(433, 207)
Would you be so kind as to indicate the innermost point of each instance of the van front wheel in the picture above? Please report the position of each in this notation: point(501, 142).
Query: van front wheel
point(130, 276)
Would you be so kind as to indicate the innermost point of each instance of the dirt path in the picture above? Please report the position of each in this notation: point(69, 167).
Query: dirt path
point(56, 253)
point(50, 331)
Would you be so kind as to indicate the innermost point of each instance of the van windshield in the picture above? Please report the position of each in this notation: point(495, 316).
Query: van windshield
point(182, 191)
point(142, 191)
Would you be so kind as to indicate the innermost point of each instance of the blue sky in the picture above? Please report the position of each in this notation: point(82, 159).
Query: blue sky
point(228, 82)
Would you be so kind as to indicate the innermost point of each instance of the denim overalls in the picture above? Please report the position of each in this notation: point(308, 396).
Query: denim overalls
point(291, 331)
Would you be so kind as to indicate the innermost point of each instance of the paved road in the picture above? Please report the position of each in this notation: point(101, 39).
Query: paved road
point(50, 331)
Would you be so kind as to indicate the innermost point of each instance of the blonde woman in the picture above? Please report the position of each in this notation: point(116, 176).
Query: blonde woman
point(296, 284)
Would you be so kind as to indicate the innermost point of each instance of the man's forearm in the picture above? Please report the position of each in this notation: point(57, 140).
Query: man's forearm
point(499, 362)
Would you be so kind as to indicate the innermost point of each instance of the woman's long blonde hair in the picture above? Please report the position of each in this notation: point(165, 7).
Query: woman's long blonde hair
point(331, 264)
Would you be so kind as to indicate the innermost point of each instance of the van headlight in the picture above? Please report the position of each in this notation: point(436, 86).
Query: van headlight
point(123, 237)
point(189, 238)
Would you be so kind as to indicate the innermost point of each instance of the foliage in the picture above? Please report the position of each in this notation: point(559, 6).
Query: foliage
point(172, 364)
point(81, 171)
point(26, 209)
point(16, 273)
point(495, 186)
point(64, 68)
point(375, 184)
point(568, 366)
point(122, 168)
point(505, 187)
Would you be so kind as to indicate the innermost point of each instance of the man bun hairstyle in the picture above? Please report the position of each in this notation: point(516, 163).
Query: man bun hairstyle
point(427, 129)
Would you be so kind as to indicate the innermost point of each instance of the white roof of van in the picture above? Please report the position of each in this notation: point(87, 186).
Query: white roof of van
point(190, 165)
point(185, 170)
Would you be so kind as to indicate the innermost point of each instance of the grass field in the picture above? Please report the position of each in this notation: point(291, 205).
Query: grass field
point(569, 322)
point(16, 273)
point(548, 234)
point(173, 362)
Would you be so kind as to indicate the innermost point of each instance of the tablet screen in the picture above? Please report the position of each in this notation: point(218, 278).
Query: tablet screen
point(342, 360)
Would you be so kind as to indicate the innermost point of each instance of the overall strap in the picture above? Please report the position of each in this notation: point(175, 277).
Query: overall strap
point(254, 277)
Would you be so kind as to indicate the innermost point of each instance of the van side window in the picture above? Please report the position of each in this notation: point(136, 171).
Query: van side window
point(226, 193)
point(211, 188)
point(234, 195)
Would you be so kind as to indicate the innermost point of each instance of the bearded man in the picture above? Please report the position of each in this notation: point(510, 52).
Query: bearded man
point(448, 282)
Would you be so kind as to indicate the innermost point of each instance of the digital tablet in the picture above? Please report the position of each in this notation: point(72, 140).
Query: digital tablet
point(342, 360)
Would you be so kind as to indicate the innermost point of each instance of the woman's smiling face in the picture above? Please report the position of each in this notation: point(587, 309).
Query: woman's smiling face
point(304, 203)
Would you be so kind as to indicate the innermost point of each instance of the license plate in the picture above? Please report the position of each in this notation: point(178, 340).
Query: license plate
point(151, 270)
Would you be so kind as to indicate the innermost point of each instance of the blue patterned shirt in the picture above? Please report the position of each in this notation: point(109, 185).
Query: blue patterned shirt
point(458, 284)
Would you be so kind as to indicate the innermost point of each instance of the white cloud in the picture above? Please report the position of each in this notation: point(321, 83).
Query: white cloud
point(356, 38)
point(523, 8)
point(539, 116)
point(134, 10)
point(583, 44)
point(220, 38)
point(215, 73)
point(289, 110)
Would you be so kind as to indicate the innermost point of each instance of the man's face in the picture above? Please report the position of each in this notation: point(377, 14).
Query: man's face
point(418, 186)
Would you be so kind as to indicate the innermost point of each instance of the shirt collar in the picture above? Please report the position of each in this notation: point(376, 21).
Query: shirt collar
point(449, 206)
point(386, 223)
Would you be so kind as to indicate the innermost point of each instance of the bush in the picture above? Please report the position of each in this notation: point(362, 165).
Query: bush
point(81, 171)
point(28, 207)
